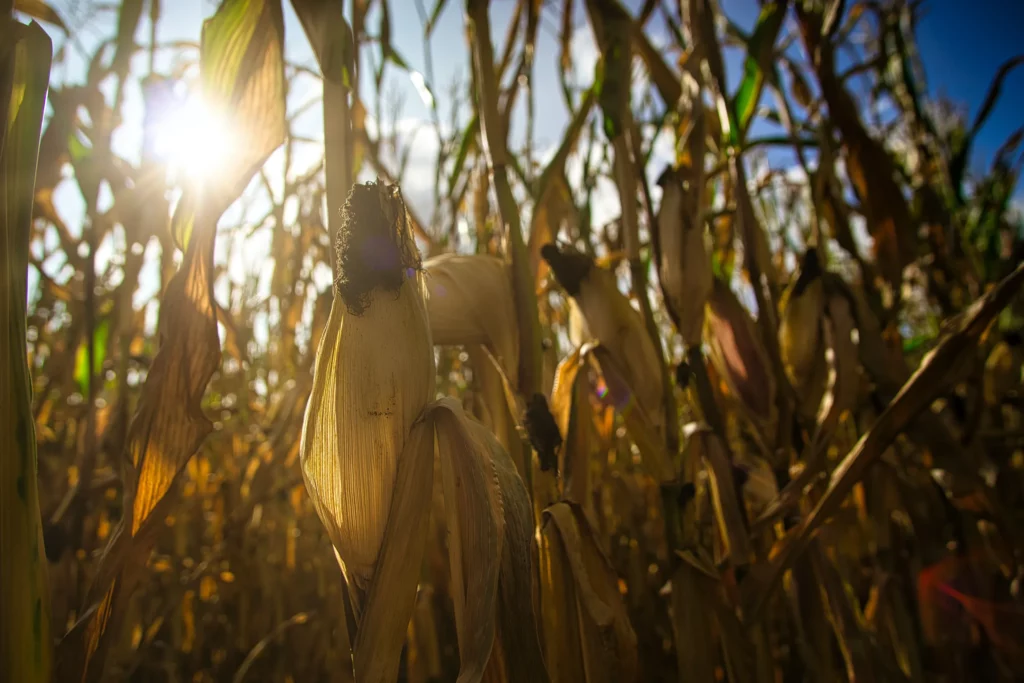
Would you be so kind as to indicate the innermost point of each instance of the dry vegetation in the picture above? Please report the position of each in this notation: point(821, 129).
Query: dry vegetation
point(724, 436)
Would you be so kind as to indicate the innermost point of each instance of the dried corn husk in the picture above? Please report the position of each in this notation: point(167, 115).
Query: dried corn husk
point(367, 459)
point(683, 252)
point(374, 375)
point(800, 334)
point(703, 445)
point(1002, 371)
point(739, 358)
point(471, 302)
point(616, 324)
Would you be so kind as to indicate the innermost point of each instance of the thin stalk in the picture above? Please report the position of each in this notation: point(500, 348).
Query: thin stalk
point(495, 150)
point(337, 156)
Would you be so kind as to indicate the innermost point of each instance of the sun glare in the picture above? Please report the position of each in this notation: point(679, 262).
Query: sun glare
point(195, 141)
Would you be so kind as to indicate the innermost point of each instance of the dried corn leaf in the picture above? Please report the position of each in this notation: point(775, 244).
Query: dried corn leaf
point(242, 68)
point(517, 654)
point(703, 444)
point(642, 428)
point(475, 519)
point(570, 406)
point(692, 621)
point(597, 642)
point(916, 395)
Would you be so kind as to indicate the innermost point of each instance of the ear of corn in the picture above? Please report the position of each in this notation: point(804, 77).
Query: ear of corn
point(683, 254)
point(367, 448)
point(800, 334)
point(739, 357)
point(374, 375)
point(614, 323)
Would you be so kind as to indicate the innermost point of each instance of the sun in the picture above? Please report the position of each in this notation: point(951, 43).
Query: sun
point(194, 140)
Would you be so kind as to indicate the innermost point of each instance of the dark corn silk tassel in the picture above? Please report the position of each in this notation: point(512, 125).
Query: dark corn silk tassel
point(543, 432)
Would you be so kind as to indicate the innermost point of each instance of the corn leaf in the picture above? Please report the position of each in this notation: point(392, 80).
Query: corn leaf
point(606, 641)
point(241, 67)
point(760, 49)
point(127, 24)
point(475, 518)
point(613, 76)
point(916, 395)
point(330, 36)
point(692, 610)
point(242, 73)
point(25, 645)
point(517, 651)
point(435, 14)
point(43, 11)
point(958, 164)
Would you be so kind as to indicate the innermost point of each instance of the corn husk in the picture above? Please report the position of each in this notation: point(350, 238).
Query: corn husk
point(800, 334)
point(616, 324)
point(470, 301)
point(374, 375)
point(570, 406)
point(738, 357)
point(683, 253)
point(367, 459)
point(1002, 372)
point(703, 445)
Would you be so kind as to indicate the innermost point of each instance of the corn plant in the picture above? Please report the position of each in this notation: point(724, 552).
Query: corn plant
point(721, 383)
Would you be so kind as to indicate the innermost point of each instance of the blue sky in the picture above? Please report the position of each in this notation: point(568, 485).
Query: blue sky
point(963, 44)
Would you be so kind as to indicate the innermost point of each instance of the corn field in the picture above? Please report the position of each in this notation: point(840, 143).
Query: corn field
point(722, 384)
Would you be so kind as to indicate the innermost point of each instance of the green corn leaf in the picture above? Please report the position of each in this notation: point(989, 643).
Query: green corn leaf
point(958, 164)
point(435, 14)
point(330, 36)
point(37, 9)
point(25, 645)
point(613, 72)
point(759, 56)
point(466, 145)
point(127, 24)
point(243, 80)
point(82, 373)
